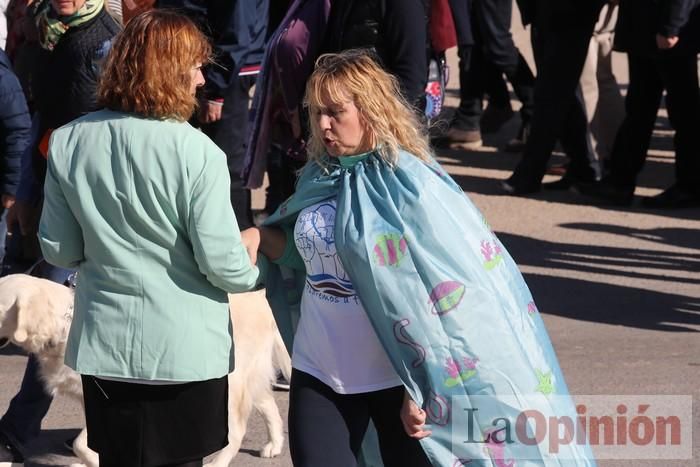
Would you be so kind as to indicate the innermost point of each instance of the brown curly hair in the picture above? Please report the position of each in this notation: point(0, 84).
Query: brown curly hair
point(147, 71)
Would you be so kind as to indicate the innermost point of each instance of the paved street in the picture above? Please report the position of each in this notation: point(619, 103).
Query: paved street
point(619, 289)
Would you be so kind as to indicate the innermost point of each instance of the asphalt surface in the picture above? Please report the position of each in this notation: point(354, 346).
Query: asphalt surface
point(619, 289)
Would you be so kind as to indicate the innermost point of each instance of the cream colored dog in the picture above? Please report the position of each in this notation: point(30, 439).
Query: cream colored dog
point(35, 314)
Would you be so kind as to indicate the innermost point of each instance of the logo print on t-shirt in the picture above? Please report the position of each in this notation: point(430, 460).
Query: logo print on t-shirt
point(315, 239)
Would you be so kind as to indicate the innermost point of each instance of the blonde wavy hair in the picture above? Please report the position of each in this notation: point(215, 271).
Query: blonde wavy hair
point(148, 68)
point(390, 121)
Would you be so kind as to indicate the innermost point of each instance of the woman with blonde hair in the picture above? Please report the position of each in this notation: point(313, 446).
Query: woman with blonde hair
point(137, 200)
point(401, 302)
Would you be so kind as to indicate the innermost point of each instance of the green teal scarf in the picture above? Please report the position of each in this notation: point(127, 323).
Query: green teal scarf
point(51, 26)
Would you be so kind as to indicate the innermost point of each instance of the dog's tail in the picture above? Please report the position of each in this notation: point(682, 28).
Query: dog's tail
point(280, 356)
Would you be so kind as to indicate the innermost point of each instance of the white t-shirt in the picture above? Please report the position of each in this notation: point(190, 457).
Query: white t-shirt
point(334, 341)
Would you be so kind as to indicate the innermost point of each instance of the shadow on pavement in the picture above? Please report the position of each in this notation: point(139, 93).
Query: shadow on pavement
point(491, 186)
point(604, 302)
point(613, 304)
point(12, 349)
point(48, 449)
point(684, 238)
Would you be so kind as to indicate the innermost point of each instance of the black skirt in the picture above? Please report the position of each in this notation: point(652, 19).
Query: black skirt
point(142, 425)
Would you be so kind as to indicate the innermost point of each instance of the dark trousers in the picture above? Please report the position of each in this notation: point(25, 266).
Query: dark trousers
point(282, 174)
point(22, 421)
point(230, 134)
point(562, 33)
point(493, 55)
point(327, 428)
point(649, 76)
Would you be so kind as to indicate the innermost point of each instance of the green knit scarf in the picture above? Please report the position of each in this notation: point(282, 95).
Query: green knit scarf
point(51, 26)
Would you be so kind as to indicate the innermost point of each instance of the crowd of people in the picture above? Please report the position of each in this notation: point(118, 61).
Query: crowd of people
point(130, 144)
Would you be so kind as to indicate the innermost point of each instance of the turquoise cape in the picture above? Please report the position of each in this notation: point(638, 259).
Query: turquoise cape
point(447, 301)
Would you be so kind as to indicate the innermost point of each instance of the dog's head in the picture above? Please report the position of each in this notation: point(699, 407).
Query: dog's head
point(31, 310)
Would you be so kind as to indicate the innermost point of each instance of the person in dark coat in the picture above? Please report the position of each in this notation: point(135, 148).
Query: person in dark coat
point(15, 126)
point(662, 40)
point(396, 30)
point(237, 30)
point(562, 31)
point(487, 53)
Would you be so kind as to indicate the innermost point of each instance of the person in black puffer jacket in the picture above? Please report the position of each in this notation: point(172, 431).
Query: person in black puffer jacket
point(68, 66)
point(396, 30)
point(14, 133)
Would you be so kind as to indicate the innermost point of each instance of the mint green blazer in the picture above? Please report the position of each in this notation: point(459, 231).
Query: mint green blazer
point(141, 208)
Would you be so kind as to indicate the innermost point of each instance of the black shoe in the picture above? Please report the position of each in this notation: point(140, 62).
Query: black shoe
point(607, 193)
point(494, 117)
point(68, 444)
point(518, 143)
point(672, 198)
point(9, 454)
point(465, 139)
point(281, 383)
point(512, 189)
point(564, 183)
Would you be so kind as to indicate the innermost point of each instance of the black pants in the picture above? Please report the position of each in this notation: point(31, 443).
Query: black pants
point(230, 134)
point(327, 428)
point(562, 36)
point(649, 76)
point(493, 55)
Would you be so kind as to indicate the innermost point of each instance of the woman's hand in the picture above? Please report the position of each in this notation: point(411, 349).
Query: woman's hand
point(665, 43)
point(251, 241)
point(210, 111)
point(413, 419)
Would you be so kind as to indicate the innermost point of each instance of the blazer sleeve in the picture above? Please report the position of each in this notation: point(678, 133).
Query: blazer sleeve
point(60, 234)
point(213, 230)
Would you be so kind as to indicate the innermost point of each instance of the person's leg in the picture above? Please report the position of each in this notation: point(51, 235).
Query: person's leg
point(641, 105)
point(588, 85)
point(471, 93)
point(563, 31)
point(610, 110)
point(494, 24)
point(325, 428)
point(464, 127)
point(282, 175)
point(680, 77)
point(582, 166)
point(499, 110)
point(22, 420)
point(396, 447)
point(230, 134)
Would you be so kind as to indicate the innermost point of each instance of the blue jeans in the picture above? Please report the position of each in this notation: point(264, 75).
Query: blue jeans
point(22, 420)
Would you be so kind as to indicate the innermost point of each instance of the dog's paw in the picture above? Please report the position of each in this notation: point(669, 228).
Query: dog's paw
point(270, 450)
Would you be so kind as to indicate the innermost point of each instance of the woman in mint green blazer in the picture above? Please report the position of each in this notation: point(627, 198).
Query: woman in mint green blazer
point(138, 201)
